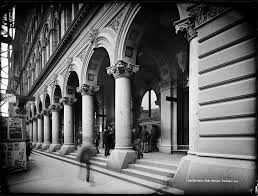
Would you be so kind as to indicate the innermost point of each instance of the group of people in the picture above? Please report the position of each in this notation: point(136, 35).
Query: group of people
point(143, 141)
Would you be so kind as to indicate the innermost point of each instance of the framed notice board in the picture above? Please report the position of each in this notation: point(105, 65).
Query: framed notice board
point(15, 129)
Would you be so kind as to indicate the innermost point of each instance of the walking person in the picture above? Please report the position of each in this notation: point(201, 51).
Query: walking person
point(28, 149)
point(136, 143)
point(84, 155)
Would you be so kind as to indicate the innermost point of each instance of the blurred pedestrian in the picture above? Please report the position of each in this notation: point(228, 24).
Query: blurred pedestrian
point(84, 155)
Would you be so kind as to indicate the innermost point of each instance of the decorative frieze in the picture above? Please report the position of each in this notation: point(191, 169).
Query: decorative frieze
point(68, 100)
point(122, 69)
point(203, 13)
point(87, 89)
point(115, 23)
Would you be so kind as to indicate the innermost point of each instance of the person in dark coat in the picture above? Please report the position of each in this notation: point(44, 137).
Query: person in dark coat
point(97, 142)
point(28, 148)
point(106, 140)
point(84, 155)
point(144, 140)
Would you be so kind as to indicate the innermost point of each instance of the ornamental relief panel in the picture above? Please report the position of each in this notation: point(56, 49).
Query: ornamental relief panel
point(116, 22)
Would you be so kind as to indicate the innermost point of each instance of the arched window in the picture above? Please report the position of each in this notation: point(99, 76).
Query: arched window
point(148, 102)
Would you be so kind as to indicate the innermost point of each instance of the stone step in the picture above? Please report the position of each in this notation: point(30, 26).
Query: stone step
point(98, 163)
point(147, 176)
point(156, 164)
point(73, 153)
point(155, 170)
point(100, 159)
point(159, 188)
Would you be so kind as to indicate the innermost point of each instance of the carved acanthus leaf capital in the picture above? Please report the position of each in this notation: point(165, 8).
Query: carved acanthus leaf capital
point(39, 116)
point(187, 27)
point(122, 69)
point(88, 89)
point(46, 112)
point(55, 108)
point(68, 100)
point(93, 36)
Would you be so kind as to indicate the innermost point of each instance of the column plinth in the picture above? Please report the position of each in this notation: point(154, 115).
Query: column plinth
point(123, 153)
point(68, 146)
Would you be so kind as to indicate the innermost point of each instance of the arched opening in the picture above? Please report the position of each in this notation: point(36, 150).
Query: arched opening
point(40, 107)
point(162, 56)
point(104, 100)
point(72, 84)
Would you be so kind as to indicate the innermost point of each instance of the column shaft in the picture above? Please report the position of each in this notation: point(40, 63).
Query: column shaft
point(193, 97)
point(55, 127)
point(87, 120)
point(123, 113)
point(35, 132)
point(46, 129)
point(31, 131)
point(174, 120)
point(68, 125)
point(40, 130)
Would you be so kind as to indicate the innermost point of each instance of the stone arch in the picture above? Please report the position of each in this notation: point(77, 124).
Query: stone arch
point(104, 39)
point(56, 94)
point(96, 60)
point(73, 65)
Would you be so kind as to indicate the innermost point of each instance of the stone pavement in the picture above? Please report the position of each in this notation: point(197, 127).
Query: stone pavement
point(48, 175)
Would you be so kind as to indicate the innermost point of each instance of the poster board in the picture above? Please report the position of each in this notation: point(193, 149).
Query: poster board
point(15, 129)
point(14, 155)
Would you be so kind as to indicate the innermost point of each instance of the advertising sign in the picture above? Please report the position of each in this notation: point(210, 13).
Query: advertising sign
point(14, 155)
point(15, 128)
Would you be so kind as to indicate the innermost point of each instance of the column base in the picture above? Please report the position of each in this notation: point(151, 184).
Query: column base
point(119, 159)
point(66, 149)
point(33, 144)
point(38, 145)
point(165, 148)
point(54, 147)
point(45, 146)
point(204, 175)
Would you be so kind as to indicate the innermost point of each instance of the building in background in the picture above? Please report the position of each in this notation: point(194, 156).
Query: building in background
point(189, 69)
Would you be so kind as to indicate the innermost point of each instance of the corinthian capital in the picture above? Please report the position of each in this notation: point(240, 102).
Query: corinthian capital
point(186, 26)
point(46, 112)
point(87, 89)
point(122, 69)
point(55, 108)
point(68, 100)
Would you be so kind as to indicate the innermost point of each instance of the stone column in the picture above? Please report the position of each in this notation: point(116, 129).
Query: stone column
point(27, 130)
point(68, 146)
point(56, 145)
point(168, 117)
point(31, 130)
point(40, 131)
point(87, 93)
point(193, 97)
point(123, 153)
point(47, 128)
point(35, 131)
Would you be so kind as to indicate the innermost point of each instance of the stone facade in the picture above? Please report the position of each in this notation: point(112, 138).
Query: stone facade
point(89, 65)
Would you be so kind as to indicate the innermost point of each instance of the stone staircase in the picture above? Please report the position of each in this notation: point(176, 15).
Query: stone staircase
point(145, 172)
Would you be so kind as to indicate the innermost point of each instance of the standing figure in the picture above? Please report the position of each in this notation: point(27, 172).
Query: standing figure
point(97, 142)
point(144, 140)
point(28, 149)
point(106, 140)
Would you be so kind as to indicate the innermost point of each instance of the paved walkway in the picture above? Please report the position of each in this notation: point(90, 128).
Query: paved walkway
point(48, 175)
